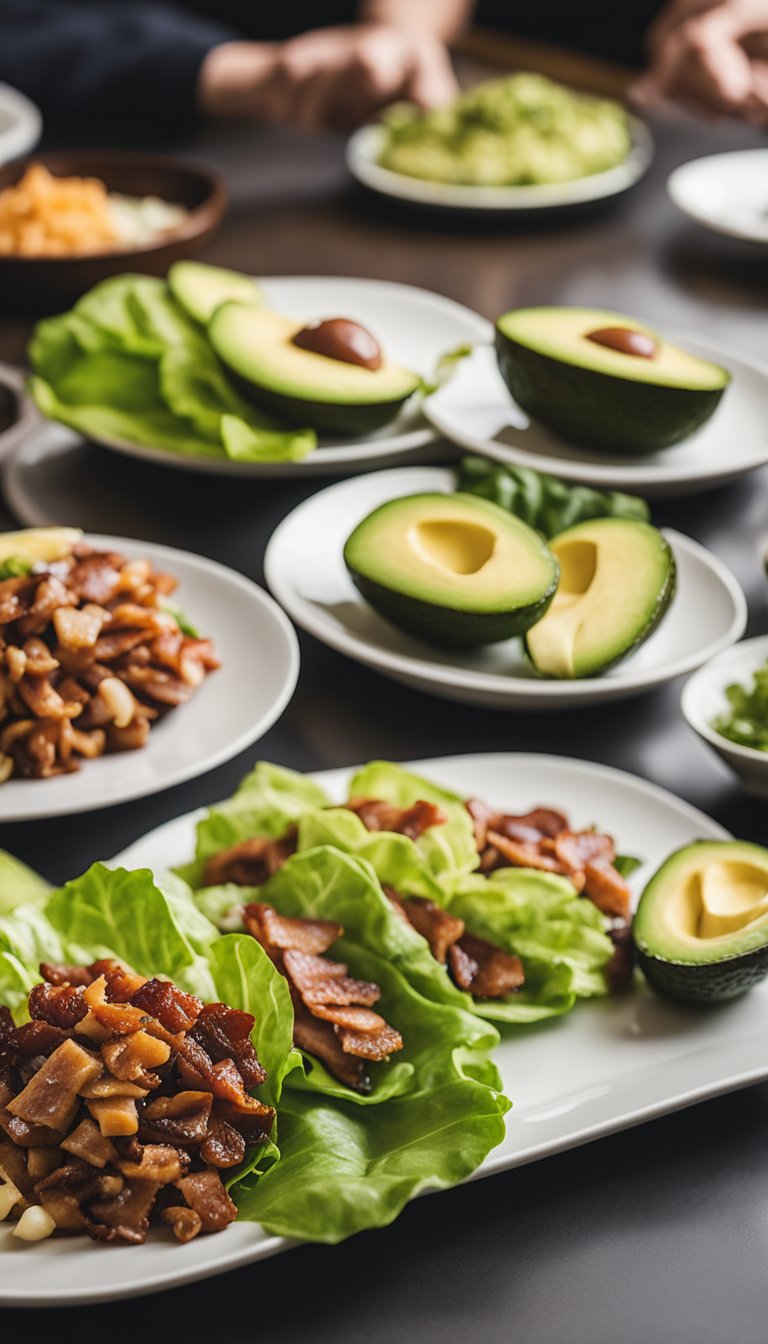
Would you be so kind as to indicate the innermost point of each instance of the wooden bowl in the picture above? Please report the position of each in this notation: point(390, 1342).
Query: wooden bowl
point(48, 284)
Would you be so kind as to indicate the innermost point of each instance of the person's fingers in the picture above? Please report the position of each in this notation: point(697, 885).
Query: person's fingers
point(701, 63)
point(314, 98)
point(375, 75)
point(432, 80)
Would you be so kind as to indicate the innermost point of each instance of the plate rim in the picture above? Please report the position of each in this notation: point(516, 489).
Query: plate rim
point(648, 478)
point(388, 662)
point(194, 769)
point(364, 167)
point(679, 197)
point(165, 1280)
point(20, 138)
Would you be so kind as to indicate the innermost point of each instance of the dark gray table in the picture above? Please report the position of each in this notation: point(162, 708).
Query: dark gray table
point(659, 1234)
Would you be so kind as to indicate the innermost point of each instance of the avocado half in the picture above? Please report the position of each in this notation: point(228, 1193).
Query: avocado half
point(701, 928)
point(617, 579)
point(452, 569)
point(599, 397)
point(300, 386)
point(200, 289)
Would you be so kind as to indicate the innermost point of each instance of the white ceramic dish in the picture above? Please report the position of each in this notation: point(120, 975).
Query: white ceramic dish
point(365, 146)
point(725, 192)
point(21, 124)
point(704, 697)
point(305, 570)
point(414, 326)
point(476, 411)
point(607, 1066)
point(234, 706)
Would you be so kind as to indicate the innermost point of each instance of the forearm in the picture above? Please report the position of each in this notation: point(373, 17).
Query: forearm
point(443, 19)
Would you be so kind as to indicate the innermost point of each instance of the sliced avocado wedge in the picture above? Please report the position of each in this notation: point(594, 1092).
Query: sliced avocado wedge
point(617, 579)
point(39, 545)
point(594, 392)
point(299, 385)
point(452, 569)
point(200, 289)
point(701, 928)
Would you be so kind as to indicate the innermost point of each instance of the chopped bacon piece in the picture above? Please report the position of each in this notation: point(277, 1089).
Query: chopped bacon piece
point(39, 1038)
point(373, 1045)
point(303, 935)
point(251, 862)
point(60, 1005)
point(618, 972)
point(207, 1197)
point(498, 973)
point(320, 981)
point(170, 1005)
point(318, 1038)
point(377, 815)
point(225, 1034)
point(440, 928)
point(462, 966)
point(66, 975)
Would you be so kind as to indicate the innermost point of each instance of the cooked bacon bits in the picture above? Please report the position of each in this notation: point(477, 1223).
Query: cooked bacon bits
point(332, 1017)
point(476, 965)
point(543, 839)
point(123, 1099)
point(251, 862)
point(89, 659)
point(413, 821)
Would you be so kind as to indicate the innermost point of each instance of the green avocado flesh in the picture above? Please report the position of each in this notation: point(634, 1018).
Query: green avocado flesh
point(617, 579)
point(201, 289)
point(701, 928)
point(299, 385)
point(598, 397)
point(452, 569)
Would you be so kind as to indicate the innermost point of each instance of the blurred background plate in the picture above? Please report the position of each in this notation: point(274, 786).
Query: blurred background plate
point(21, 124)
point(725, 192)
point(364, 149)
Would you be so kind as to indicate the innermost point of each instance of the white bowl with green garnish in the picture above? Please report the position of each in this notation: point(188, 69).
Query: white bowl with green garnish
point(726, 703)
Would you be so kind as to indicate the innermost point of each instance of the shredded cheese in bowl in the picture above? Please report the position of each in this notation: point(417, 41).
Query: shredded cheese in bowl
point(47, 216)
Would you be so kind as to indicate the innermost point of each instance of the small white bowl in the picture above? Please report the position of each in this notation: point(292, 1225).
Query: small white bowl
point(704, 698)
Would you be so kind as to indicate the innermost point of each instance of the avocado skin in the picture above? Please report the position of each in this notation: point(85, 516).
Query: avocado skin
point(665, 597)
point(328, 417)
point(713, 982)
point(599, 410)
point(445, 625)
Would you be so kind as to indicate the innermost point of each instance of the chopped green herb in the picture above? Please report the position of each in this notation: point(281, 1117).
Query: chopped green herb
point(185, 625)
point(14, 567)
point(747, 720)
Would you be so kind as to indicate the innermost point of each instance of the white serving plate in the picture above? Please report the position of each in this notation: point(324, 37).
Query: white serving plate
point(476, 411)
point(725, 192)
point(21, 124)
point(704, 697)
point(414, 326)
point(365, 146)
point(605, 1067)
point(233, 707)
point(305, 570)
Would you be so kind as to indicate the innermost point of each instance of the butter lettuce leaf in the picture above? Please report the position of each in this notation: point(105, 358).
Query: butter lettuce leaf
point(19, 884)
point(127, 363)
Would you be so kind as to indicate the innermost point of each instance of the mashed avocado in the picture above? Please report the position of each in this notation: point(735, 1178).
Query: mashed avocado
point(517, 131)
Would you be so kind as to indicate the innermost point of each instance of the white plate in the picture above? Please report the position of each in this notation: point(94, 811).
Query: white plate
point(476, 411)
point(414, 326)
point(725, 192)
point(21, 124)
point(305, 570)
point(605, 1067)
point(365, 146)
point(234, 706)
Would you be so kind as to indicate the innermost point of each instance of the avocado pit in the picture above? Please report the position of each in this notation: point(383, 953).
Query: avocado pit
point(626, 340)
point(342, 339)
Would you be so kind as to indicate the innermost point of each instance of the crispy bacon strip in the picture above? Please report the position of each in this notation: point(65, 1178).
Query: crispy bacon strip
point(477, 966)
point(543, 839)
point(251, 862)
point(332, 1010)
point(413, 821)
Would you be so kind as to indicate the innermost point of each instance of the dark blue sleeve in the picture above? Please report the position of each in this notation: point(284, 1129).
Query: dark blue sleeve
point(109, 59)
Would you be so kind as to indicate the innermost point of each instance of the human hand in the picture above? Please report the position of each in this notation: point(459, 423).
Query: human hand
point(711, 56)
point(329, 79)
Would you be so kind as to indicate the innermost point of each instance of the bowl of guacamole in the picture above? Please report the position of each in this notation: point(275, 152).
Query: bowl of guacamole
point(523, 140)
